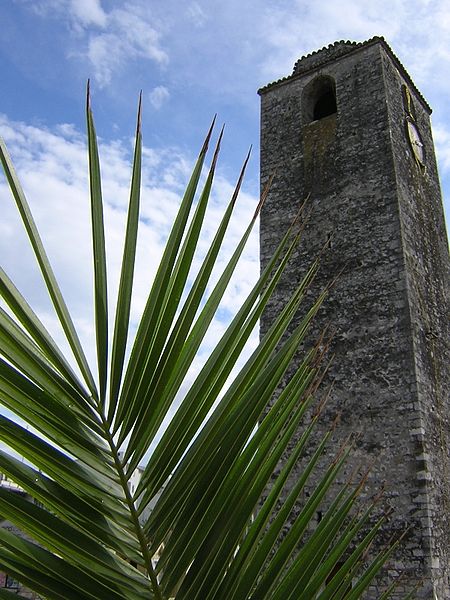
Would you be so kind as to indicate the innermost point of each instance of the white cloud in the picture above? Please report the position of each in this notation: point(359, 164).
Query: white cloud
point(441, 135)
point(417, 32)
point(109, 40)
point(45, 7)
point(104, 56)
point(88, 12)
point(313, 25)
point(158, 96)
point(128, 37)
point(196, 14)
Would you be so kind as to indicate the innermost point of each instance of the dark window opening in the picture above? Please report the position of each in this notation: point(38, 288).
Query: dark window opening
point(319, 99)
point(325, 106)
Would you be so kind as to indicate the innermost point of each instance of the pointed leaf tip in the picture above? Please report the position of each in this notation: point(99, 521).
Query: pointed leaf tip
point(88, 95)
point(264, 193)
point(217, 149)
point(239, 183)
point(247, 158)
point(139, 115)
point(208, 137)
point(244, 166)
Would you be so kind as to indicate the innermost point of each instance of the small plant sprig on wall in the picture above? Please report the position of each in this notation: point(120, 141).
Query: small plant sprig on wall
point(87, 534)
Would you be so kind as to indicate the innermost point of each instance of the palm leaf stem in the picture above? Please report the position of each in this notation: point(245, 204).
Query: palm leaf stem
point(133, 512)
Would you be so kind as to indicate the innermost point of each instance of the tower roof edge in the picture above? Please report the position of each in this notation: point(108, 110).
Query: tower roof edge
point(327, 54)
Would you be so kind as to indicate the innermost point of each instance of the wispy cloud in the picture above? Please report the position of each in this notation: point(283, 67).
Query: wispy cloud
point(158, 96)
point(130, 36)
point(88, 12)
point(441, 134)
point(108, 40)
point(196, 14)
point(313, 25)
point(417, 31)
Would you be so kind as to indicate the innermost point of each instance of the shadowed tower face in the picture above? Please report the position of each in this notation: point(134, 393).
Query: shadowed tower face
point(350, 128)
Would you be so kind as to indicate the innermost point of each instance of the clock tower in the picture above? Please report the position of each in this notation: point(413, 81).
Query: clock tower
point(350, 130)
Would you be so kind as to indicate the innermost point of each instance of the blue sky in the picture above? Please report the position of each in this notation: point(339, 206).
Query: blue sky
point(191, 59)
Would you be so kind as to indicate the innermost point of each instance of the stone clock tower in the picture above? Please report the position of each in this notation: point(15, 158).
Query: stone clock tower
point(350, 128)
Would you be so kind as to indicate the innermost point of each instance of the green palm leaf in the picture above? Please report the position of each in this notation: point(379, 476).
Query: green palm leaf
point(195, 527)
point(126, 275)
point(98, 252)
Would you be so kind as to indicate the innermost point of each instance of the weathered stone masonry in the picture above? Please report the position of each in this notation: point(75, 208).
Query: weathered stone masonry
point(376, 198)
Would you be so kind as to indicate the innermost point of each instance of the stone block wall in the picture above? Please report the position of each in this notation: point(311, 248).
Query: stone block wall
point(379, 214)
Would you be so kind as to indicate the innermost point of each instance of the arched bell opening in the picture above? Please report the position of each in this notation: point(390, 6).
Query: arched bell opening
point(319, 99)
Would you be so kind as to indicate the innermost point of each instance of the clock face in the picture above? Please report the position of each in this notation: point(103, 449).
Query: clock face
point(416, 141)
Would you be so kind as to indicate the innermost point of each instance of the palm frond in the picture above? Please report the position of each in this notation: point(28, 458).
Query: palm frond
point(196, 526)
